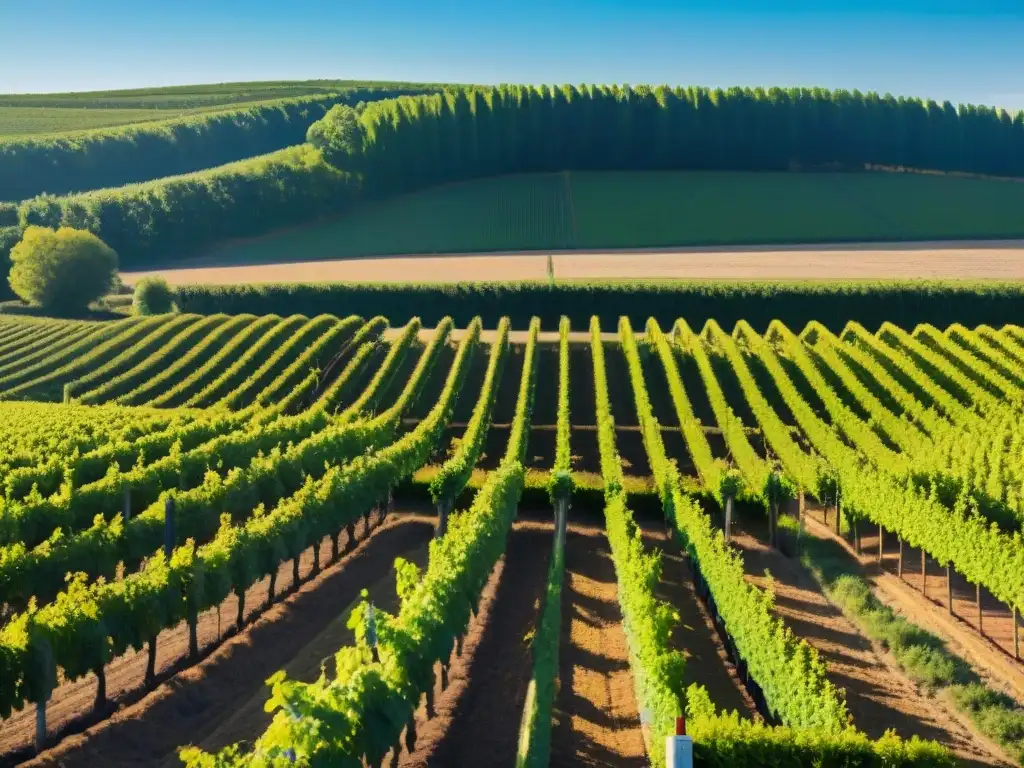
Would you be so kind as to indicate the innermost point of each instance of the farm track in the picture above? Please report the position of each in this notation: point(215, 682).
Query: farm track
point(878, 695)
point(946, 260)
point(596, 718)
point(478, 715)
point(190, 706)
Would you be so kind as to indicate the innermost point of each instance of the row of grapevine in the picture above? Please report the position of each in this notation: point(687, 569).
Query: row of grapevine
point(226, 356)
point(945, 373)
point(646, 620)
point(112, 388)
point(534, 747)
point(841, 417)
point(31, 520)
point(180, 366)
point(788, 671)
point(711, 472)
point(805, 469)
point(82, 372)
point(250, 361)
point(901, 431)
point(453, 475)
point(935, 400)
point(760, 478)
point(35, 433)
point(561, 484)
point(54, 358)
point(278, 361)
point(968, 363)
point(958, 536)
point(90, 624)
point(988, 352)
point(360, 713)
point(39, 572)
point(37, 351)
point(312, 359)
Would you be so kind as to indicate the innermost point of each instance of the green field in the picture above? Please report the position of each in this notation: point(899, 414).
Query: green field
point(25, 114)
point(653, 210)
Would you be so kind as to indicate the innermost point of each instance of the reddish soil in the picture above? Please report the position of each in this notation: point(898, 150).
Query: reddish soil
point(596, 718)
point(148, 728)
point(879, 696)
point(478, 715)
point(852, 261)
point(991, 653)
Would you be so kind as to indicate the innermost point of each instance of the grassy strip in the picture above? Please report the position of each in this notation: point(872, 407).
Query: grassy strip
point(535, 730)
point(922, 656)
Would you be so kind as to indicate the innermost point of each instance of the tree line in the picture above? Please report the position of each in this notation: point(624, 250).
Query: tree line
point(391, 146)
point(112, 157)
point(413, 142)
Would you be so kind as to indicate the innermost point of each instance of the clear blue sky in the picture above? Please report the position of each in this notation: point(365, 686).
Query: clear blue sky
point(961, 50)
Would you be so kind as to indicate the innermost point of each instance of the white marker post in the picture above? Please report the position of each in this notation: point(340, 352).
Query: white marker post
point(679, 748)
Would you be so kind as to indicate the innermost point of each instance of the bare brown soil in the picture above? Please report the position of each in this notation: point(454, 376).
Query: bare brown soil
point(707, 662)
point(478, 716)
point(597, 722)
point(148, 728)
point(878, 695)
point(997, 259)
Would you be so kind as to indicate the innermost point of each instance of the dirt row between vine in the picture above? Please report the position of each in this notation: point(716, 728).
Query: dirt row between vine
point(191, 705)
point(952, 260)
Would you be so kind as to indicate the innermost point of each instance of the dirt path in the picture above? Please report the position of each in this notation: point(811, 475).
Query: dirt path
point(879, 696)
point(596, 718)
point(707, 663)
point(479, 714)
point(191, 705)
point(992, 259)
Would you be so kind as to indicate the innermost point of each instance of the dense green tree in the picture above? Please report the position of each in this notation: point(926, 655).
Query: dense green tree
point(339, 135)
point(153, 296)
point(62, 270)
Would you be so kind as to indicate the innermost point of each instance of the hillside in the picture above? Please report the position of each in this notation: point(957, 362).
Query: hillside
point(595, 210)
point(48, 113)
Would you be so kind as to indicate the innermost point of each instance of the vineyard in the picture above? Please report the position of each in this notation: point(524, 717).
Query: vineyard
point(512, 545)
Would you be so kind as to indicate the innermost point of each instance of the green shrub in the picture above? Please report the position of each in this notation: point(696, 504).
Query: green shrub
point(62, 270)
point(153, 296)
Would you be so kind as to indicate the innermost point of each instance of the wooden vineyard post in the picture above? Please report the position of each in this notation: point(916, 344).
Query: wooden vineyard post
point(168, 528)
point(773, 522)
point(41, 706)
point(856, 536)
point(924, 573)
point(1016, 635)
point(150, 678)
point(881, 544)
point(41, 724)
point(728, 519)
point(800, 516)
point(949, 588)
point(977, 593)
point(442, 518)
point(899, 566)
point(560, 520)
point(839, 515)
